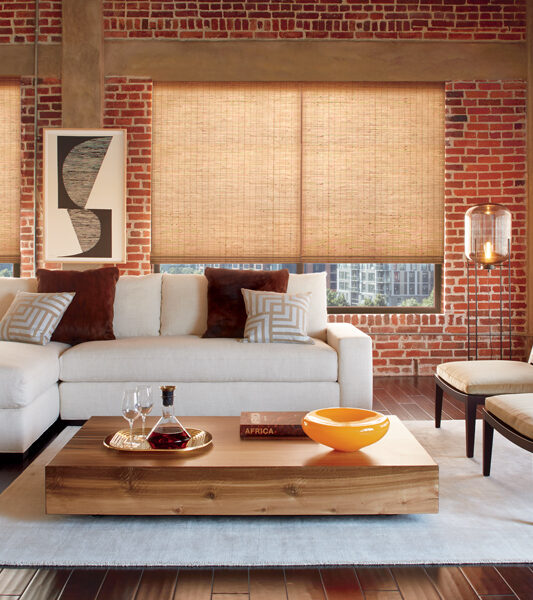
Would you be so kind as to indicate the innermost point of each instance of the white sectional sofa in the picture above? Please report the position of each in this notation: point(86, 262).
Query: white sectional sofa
point(158, 323)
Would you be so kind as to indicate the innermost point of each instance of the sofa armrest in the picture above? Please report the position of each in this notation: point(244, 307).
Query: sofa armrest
point(354, 355)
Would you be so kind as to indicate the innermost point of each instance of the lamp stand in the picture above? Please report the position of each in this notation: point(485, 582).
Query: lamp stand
point(476, 304)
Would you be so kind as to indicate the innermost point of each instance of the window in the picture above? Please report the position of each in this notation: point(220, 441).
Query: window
point(9, 176)
point(343, 177)
point(347, 292)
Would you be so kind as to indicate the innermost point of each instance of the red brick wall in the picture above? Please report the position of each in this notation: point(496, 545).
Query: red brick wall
point(485, 138)
point(128, 104)
point(49, 115)
point(485, 162)
point(17, 21)
point(329, 19)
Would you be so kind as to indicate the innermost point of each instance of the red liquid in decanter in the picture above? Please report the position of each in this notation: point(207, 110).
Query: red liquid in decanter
point(169, 433)
point(169, 439)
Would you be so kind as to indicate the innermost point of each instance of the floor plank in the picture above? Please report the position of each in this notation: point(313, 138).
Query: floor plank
point(194, 584)
point(267, 584)
point(341, 584)
point(83, 584)
point(230, 581)
point(414, 584)
point(451, 583)
point(13, 582)
point(46, 585)
point(304, 584)
point(157, 584)
point(498, 597)
point(376, 579)
point(486, 580)
point(384, 595)
point(230, 597)
point(120, 584)
point(520, 580)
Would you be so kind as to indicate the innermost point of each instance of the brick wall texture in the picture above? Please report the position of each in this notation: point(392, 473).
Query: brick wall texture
point(17, 22)
point(328, 19)
point(485, 143)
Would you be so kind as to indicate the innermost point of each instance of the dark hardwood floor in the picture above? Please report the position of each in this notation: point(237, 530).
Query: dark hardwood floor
point(408, 397)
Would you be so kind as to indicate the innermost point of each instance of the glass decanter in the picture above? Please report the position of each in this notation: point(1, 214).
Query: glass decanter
point(169, 433)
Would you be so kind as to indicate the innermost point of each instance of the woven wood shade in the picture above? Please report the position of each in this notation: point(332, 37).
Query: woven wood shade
point(225, 181)
point(373, 173)
point(10, 172)
point(252, 172)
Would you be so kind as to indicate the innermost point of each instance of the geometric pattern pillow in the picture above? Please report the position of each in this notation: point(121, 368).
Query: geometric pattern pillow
point(276, 318)
point(32, 318)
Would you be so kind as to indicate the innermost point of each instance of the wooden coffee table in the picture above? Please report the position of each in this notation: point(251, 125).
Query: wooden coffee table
point(241, 477)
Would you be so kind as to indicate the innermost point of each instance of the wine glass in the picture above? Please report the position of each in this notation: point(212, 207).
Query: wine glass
point(146, 402)
point(130, 409)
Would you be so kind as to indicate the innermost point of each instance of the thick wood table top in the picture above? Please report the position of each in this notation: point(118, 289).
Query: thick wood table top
point(240, 477)
point(398, 448)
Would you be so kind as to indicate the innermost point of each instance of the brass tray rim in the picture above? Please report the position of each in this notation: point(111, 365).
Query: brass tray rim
point(107, 443)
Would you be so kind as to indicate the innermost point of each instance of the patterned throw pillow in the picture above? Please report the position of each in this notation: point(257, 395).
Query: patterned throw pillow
point(32, 318)
point(276, 318)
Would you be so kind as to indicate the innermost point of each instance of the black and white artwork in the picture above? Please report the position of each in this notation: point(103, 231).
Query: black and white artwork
point(84, 195)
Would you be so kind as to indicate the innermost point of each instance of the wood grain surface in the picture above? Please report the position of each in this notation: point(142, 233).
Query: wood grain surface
point(245, 477)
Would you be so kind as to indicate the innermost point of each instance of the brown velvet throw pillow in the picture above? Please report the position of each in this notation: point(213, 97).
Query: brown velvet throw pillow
point(90, 315)
point(226, 313)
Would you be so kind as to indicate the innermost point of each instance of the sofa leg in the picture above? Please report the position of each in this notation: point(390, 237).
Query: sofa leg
point(470, 424)
point(488, 436)
point(438, 404)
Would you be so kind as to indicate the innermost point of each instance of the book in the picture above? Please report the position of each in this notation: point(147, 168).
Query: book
point(271, 424)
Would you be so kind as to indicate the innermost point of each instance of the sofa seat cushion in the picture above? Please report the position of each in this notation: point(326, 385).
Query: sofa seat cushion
point(488, 377)
point(516, 410)
point(191, 358)
point(26, 371)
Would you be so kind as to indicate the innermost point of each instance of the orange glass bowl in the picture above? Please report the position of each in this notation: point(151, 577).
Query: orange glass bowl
point(345, 429)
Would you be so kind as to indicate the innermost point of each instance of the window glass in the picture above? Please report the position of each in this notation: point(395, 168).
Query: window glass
point(353, 285)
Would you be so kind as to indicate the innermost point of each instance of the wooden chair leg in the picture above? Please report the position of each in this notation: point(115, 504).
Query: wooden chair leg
point(470, 424)
point(438, 404)
point(488, 435)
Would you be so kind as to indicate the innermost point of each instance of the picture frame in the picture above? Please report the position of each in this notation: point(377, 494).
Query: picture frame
point(84, 182)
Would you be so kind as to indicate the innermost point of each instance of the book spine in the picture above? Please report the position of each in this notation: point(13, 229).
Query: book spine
point(267, 431)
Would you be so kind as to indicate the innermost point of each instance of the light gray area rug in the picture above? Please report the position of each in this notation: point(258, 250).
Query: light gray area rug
point(481, 520)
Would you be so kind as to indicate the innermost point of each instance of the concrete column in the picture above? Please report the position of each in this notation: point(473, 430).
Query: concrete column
point(82, 72)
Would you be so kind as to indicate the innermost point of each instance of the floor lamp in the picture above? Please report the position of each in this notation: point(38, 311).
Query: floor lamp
point(487, 245)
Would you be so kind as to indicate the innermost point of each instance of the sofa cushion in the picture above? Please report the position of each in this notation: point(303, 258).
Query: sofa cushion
point(33, 318)
point(318, 312)
point(137, 307)
point(514, 409)
point(488, 377)
point(183, 304)
point(90, 314)
point(9, 286)
point(191, 358)
point(226, 314)
point(276, 318)
point(26, 371)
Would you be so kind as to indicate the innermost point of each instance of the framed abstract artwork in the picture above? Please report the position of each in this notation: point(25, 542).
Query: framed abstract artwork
point(85, 195)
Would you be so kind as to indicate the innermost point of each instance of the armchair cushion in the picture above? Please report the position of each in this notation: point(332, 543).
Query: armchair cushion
point(488, 377)
point(516, 410)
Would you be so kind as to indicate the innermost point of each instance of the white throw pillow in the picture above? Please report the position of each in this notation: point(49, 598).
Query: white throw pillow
point(33, 318)
point(276, 318)
point(137, 307)
point(318, 313)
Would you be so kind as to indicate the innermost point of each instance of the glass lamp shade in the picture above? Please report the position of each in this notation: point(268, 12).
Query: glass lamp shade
point(487, 234)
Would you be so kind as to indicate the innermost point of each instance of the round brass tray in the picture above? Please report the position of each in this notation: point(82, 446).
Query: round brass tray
point(121, 441)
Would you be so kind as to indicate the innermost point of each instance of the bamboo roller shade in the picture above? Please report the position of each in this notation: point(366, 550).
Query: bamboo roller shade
point(341, 172)
point(10, 172)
